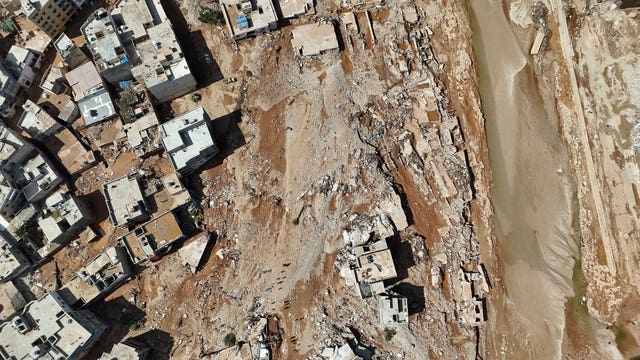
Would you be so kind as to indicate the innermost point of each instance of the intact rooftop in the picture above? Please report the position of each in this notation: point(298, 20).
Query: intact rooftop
point(244, 18)
point(124, 201)
point(187, 138)
point(60, 334)
point(143, 242)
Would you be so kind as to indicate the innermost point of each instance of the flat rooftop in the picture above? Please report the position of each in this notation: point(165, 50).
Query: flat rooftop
point(96, 107)
point(66, 147)
point(102, 39)
point(144, 240)
point(375, 263)
point(313, 39)
point(161, 55)
point(84, 80)
point(54, 325)
point(103, 271)
point(124, 200)
point(293, 8)
point(10, 260)
point(35, 121)
point(9, 143)
point(186, 137)
point(244, 17)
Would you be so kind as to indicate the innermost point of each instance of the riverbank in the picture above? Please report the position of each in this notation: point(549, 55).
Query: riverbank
point(533, 202)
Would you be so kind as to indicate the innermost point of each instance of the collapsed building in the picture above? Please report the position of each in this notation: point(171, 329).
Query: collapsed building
point(469, 289)
point(49, 328)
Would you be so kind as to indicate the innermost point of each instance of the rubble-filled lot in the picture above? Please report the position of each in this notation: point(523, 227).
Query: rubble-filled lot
point(380, 140)
point(312, 147)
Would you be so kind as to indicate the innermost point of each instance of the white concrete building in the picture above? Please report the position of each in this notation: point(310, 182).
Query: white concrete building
point(113, 58)
point(127, 350)
point(36, 122)
point(125, 201)
point(22, 64)
point(64, 216)
point(48, 328)
point(162, 67)
point(12, 261)
point(105, 273)
point(188, 140)
point(314, 39)
point(9, 90)
point(94, 101)
point(245, 18)
point(393, 310)
point(69, 51)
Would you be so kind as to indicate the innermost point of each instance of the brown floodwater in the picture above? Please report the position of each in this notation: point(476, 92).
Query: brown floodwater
point(534, 204)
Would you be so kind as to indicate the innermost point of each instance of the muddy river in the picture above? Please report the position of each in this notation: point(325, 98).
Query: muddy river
point(533, 198)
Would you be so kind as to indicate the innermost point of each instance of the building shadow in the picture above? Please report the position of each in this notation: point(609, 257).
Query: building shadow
point(190, 41)
point(228, 137)
point(160, 342)
point(98, 205)
point(122, 318)
point(205, 73)
point(415, 295)
point(402, 254)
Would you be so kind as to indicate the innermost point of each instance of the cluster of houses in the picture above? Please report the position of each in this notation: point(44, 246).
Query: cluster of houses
point(135, 56)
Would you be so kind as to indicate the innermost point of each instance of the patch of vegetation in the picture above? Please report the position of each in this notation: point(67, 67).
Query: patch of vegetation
point(229, 339)
point(125, 102)
point(7, 25)
point(196, 97)
point(21, 232)
point(389, 334)
point(211, 16)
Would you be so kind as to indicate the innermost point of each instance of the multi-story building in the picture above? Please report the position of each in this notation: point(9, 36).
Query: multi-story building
point(125, 201)
point(188, 140)
point(245, 18)
point(63, 217)
point(152, 239)
point(105, 273)
point(70, 52)
point(48, 328)
point(94, 100)
point(113, 58)
point(162, 67)
point(23, 64)
point(36, 122)
point(9, 90)
point(49, 15)
point(12, 261)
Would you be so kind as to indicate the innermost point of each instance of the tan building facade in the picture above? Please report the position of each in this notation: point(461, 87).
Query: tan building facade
point(49, 15)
